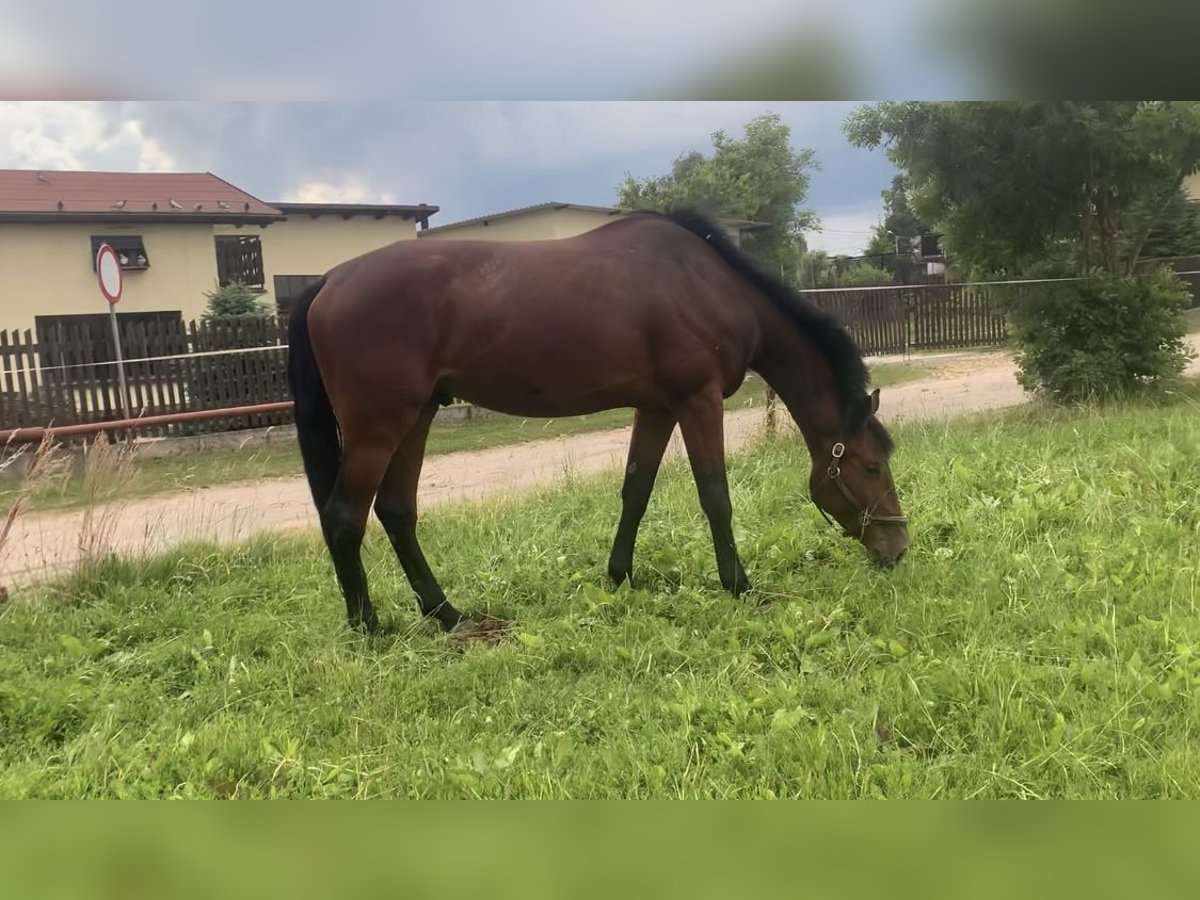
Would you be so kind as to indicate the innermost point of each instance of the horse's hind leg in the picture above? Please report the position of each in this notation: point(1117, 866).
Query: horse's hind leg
point(651, 434)
point(702, 423)
point(396, 508)
point(344, 521)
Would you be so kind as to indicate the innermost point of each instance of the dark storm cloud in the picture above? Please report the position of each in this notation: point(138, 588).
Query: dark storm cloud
point(473, 157)
point(469, 158)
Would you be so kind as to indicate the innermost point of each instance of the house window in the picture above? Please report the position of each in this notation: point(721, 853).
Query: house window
point(131, 251)
point(240, 260)
point(287, 287)
point(74, 349)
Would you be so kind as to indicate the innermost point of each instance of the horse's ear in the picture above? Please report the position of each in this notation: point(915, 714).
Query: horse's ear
point(874, 401)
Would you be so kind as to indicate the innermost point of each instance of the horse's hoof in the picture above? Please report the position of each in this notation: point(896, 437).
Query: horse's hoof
point(366, 627)
point(486, 629)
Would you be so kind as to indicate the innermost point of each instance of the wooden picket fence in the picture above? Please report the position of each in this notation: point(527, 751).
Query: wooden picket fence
point(907, 318)
point(902, 319)
point(66, 374)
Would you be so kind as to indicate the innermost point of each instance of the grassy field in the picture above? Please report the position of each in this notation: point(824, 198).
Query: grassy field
point(154, 476)
point(1042, 639)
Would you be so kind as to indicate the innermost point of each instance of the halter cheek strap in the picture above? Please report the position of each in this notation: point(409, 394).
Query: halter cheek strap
point(864, 515)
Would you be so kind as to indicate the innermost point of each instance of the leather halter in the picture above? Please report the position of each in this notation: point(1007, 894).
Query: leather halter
point(864, 515)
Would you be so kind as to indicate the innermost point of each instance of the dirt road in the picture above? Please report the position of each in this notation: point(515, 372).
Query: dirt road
point(47, 543)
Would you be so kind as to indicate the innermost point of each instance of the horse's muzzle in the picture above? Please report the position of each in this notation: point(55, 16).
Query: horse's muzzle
point(885, 561)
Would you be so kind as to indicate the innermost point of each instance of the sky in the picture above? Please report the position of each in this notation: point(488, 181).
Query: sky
point(468, 157)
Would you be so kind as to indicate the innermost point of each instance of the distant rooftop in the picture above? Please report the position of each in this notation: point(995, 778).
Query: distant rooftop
point(30, 195)
point(419, 212)
point(47, 195)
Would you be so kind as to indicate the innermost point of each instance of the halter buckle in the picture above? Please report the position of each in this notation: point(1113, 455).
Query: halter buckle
point(839, 449)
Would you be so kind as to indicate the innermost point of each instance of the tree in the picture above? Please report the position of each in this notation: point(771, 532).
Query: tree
point(1018, 188)
point(899, 220)
point(1058, 188)
point(814, 269)
point(235, 300)
point(759, 177)
point(817, 269)
point(1177, 232)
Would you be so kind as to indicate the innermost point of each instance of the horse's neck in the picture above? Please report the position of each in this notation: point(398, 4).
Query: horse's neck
point(798, 372)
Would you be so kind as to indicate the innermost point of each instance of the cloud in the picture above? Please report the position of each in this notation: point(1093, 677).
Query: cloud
point(845, 231)
point(75, 135)
point(469, 157)
point(574, 133)
point(450, 152)
point(349, 190)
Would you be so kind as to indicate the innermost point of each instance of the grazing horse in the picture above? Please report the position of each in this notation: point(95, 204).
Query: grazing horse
point(658, 312)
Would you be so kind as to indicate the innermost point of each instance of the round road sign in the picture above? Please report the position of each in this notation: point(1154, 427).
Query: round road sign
point(108, 273)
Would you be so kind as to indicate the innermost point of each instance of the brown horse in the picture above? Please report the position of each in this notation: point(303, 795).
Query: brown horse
point(661, 313)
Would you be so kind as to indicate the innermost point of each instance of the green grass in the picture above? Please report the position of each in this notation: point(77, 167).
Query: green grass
point(196, 470)
point(1042, 639)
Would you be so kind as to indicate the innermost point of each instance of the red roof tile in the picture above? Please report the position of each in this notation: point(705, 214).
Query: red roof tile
point(48, 195)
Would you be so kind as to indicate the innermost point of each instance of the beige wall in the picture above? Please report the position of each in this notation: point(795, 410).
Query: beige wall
point(47, 270)
point(303, 245)
point(542, 224)
point(1191, 185)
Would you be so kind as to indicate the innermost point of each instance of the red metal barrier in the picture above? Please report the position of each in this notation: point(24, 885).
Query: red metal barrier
point(35, 434)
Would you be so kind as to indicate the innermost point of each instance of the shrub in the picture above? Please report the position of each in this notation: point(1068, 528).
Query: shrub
point(1100, 338)
point(235, 300)
point(863, 276)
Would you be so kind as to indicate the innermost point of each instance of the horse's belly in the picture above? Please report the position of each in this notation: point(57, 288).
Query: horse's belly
point(567, 365)
point(548, 396)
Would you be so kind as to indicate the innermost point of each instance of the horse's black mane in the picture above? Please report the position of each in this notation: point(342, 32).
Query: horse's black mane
point(831, 338)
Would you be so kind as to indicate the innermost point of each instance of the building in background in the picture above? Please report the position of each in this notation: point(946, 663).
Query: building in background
point(549, 221)
point(1191, 186)
point(178, 236)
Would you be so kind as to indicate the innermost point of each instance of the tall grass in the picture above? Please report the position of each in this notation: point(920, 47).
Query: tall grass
point(44, 466)
point(1042, 639)
point(102, 471)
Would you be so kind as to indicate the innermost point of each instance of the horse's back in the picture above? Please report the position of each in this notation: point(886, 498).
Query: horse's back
point(546, 327)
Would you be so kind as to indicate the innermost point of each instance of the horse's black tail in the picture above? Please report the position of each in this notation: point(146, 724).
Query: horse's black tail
point(316, 424)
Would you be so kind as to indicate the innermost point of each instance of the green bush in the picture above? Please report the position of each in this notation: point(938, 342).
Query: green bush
point(863, 276)
point(235, 300)
point(1100, 338)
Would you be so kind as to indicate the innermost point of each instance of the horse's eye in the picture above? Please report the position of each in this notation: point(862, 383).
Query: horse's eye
point(874, 469)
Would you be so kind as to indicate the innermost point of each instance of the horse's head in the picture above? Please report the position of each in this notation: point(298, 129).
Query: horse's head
point(852, 482)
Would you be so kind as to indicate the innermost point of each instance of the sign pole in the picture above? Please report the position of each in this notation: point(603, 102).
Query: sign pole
point(108, 274)
point(116, 333)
